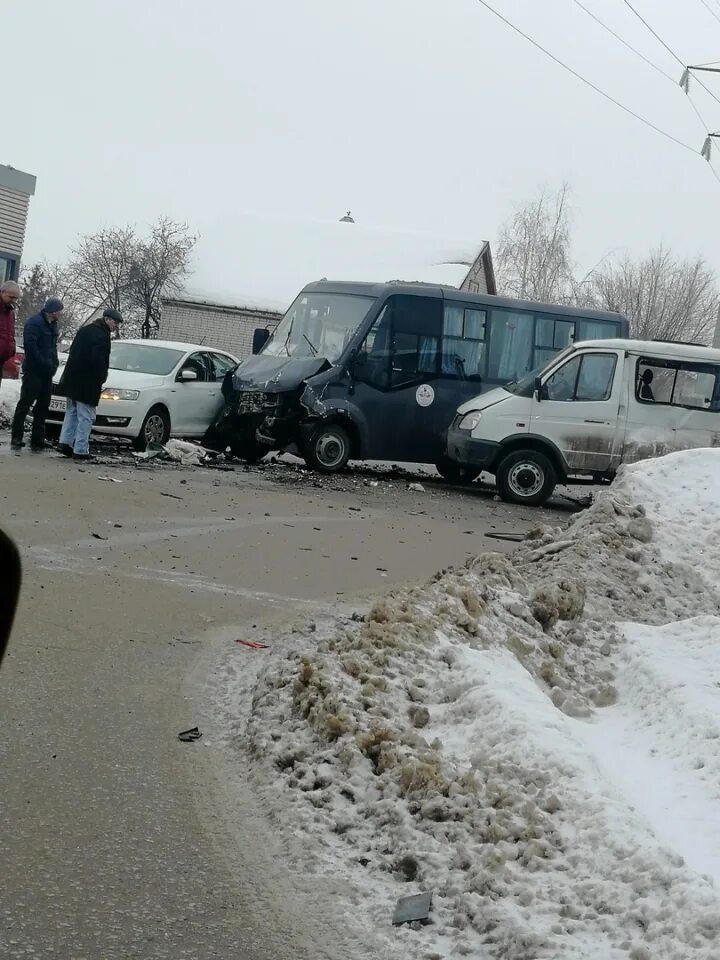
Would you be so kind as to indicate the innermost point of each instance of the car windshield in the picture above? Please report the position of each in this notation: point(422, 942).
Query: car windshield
point(318, 325)
point(144, 358)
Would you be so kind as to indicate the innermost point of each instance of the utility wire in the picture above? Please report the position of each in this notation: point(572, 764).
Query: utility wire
point(710, 10)
point(669, 50)
point(624, 42)
point(587, 82)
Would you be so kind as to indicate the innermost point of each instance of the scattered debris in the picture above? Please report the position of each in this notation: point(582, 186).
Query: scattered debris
point(188, 736)
point(253, 644)
point(110, 479)
point(514, 537)
point(413, 909)
point(416, 487)
point(99, 536)
point(173, 495)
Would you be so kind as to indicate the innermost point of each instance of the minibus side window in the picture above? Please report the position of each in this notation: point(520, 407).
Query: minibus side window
point(511, 344)
point(403, 345)
point(463, 345)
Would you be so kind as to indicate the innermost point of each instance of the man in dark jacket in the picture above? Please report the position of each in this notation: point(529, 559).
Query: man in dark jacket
point(85, 373)
point(41, 362)
point(9, 295)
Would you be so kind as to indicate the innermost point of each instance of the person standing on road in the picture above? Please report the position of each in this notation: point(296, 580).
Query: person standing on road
point(41, 361)
point(9, 294)
point(82, 381)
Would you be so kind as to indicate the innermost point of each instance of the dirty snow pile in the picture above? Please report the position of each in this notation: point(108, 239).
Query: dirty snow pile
point(534, 738)
point(9, 396)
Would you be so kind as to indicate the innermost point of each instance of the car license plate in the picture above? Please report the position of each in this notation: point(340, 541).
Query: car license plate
point(58, 403)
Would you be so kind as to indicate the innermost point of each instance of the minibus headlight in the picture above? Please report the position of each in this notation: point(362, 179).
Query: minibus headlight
point(470, 420)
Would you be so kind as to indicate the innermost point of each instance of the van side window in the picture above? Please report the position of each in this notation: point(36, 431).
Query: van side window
point(463, 344)
point(678, 383)
point(403, 345)
point(585, 378)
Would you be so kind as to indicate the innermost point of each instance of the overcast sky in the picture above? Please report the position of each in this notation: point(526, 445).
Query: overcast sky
point(427, 115)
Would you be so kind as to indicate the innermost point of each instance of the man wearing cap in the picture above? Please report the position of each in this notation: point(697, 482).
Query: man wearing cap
point(41, 361)
point(9, 295)
point(82, 381)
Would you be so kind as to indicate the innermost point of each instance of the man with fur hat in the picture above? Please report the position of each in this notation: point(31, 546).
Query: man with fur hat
point(41, 361)
point(82, 381)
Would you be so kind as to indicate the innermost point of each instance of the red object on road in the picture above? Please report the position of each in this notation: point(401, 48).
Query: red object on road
point(254, 645)
point(11, 367)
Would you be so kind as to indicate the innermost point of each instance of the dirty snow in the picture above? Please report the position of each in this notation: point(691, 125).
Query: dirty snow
point(532, 737)
point(9, 396)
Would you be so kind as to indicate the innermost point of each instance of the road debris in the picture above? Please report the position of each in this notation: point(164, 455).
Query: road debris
point(252, 644)
point(413, 909)
point(416, 487)
point(188, 736)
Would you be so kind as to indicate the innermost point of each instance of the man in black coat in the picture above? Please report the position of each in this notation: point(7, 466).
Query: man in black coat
point(82, 381)
point(41, 362)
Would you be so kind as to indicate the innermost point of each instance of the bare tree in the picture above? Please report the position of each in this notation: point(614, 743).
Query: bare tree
point(533, 259)
point(159, 267)
point(663, 297)
point(102, 264)
point(44, 280)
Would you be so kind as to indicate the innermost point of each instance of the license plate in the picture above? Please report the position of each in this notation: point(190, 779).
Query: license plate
point(58, 403)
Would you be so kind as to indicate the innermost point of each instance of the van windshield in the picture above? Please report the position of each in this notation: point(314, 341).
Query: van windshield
point(526, 385)
point(318, 325)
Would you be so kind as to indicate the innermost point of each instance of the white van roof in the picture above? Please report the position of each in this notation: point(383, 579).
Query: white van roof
point(657, 348)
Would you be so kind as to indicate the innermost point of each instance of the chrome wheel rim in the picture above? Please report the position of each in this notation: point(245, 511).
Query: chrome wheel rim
point(526, 479)
point(155, 429)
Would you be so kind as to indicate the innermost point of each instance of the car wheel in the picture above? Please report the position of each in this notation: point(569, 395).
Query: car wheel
point(527, 477)
point(328, 449)
point(455, 472)
point(155, 428)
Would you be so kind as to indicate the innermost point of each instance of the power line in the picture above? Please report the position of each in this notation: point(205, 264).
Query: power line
point(624, 42)
point(710, 10)
point(587, 82)
point(669, 50)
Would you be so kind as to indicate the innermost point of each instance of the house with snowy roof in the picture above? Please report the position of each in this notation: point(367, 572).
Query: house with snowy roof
point(246, 272)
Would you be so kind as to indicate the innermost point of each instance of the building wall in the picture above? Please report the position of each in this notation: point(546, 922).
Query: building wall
point(16, 188)
point(477, 280)
point(226, 328)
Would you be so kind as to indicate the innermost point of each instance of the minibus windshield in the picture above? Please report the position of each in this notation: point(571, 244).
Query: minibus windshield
point(318, 325)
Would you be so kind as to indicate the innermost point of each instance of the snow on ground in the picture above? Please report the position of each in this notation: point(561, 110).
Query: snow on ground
point(534, 738)
point(9, 396)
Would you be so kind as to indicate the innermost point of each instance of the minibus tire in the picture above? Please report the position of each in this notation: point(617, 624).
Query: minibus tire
point(328, 448)
point(455, 472)
point(527, 470)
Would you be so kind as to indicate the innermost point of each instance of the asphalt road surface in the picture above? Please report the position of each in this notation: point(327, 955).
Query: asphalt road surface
point(117, 841)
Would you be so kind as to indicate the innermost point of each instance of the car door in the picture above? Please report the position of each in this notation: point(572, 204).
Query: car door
point(194, 400)
point(578, 409)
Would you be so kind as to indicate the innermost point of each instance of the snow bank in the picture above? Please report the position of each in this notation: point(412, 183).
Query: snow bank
point(9, 396)
point(502, 737)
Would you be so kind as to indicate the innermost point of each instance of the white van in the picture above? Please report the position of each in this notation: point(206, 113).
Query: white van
point(596, 405)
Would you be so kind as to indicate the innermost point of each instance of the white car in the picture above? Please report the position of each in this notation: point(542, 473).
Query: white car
point(156, 389)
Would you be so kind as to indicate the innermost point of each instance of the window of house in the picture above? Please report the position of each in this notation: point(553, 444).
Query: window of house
point(510, 355)
point(403, 345)
point(585, 378)
point(679, 384)
point(463, 344)
point(7, 267)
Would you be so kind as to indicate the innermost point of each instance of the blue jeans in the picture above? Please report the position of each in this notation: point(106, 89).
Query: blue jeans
point(79, 418)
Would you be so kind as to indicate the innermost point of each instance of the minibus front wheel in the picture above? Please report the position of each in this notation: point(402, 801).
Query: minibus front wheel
point(455, 472)
point(328, 448)
point(527, 477)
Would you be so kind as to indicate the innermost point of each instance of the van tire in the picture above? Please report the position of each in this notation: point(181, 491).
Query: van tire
point(328, 448)
point(527, 477)
point(455, 472)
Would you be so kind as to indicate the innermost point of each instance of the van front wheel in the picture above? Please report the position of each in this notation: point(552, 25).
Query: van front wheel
point(527, 477)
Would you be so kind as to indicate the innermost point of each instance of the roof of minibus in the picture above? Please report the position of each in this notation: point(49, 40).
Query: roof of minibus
point(656, 348)
point(451, 293)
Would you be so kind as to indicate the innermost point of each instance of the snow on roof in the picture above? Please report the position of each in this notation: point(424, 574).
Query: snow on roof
point(248, 261)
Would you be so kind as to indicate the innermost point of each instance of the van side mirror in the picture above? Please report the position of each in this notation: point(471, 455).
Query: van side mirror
point(261, 335)
point(538, 388)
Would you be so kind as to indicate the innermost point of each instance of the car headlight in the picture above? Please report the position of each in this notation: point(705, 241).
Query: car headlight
point(111, 393)
point(470, 420)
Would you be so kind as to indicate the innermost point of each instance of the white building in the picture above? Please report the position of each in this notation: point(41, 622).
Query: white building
point(16, 188)
point(247, 271)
